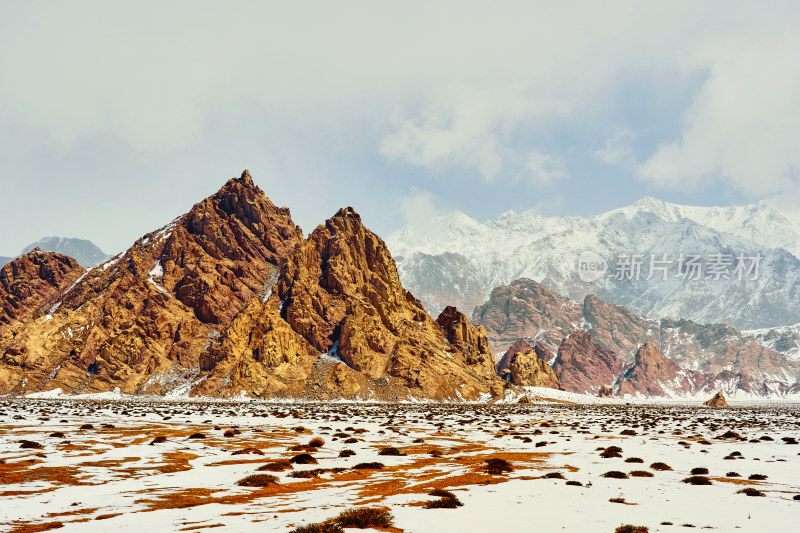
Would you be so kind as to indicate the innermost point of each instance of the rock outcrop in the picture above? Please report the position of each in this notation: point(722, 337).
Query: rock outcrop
point(718, 400)
point(605, 392)
point(526, 309)
point(651, 372)
point(583, 366)
point(229, 299)
point(31, 282)
point(528, 370)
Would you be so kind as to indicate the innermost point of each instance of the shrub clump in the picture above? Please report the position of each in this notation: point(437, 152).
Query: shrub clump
point(365, 517)
point(660, 466)
point(757, 477)
point(697, 480)
point(641, 473)
point(257, 480)
point(495, 466)
point(750, 491)
point(368, 466)
point(316, 443)
point(303, 459)
point(631, 529)
point(553, 475)
point(275, 466)
point(615, 474)
point(699, 471)
point(447, 500)
point(321, 527)
point(390, 451)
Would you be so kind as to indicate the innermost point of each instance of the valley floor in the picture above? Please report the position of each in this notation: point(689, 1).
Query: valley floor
point(93, 465)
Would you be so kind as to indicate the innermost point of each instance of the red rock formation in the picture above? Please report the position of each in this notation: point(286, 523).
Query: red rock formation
point(526, 309)
point(650, 371)
point(30, 282)
point(712, 356)
point(583, 366)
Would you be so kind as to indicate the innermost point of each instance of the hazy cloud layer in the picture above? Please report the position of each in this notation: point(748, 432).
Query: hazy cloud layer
point(116, 117)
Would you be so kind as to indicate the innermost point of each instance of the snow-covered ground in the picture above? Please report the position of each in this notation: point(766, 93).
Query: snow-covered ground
point(109, 477)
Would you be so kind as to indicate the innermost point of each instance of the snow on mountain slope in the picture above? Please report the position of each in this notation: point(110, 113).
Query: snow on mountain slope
point(783, 339)
point(546, 249)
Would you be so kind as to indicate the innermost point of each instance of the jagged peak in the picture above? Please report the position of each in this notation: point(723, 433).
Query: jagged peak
point(246, 179)
point(347, 212)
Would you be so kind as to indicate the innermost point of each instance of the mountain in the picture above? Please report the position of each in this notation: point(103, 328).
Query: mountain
point(85, 252)
point(230, 299)
point(455, 260)
point(599, 344)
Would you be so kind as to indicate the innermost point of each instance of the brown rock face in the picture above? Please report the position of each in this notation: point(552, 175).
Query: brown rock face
point(583, 366)
point(341, 292)
point(718, 400)
point(230, 298)
point(523, 345)
point(338, 293)
point(528, 370)
point(30, 282)
point(144, 320)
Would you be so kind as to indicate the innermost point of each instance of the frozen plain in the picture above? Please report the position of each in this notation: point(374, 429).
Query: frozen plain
point(110, 477)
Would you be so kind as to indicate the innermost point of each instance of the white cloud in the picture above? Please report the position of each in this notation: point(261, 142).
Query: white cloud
point(618, 148)
point(543, 168)
point(743, 126)
point(442, 86)
point(418, 207)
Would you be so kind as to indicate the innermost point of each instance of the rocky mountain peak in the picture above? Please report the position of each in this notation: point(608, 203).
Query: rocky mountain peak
point(650, 372)
point(230, 298)
point(583, 366)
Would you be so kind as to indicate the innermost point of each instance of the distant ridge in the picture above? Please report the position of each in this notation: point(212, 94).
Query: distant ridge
point(85, 252)
point(456, 260)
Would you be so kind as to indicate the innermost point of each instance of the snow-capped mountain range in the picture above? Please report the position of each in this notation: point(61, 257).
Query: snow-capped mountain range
point(456, 260)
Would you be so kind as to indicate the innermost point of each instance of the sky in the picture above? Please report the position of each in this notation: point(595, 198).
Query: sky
point(117, 117)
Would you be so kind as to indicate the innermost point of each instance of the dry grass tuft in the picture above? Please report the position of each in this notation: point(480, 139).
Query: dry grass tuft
point(275, 466)
point(750, 491)
point(495, 466)
point(697, 480)
point(303, 459)
point(257, 480)
point(368, 466)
